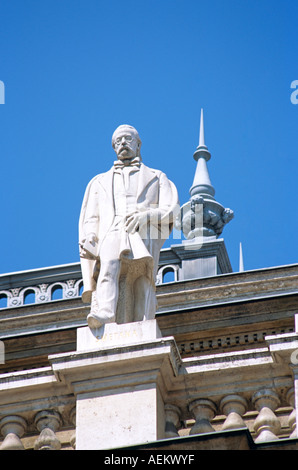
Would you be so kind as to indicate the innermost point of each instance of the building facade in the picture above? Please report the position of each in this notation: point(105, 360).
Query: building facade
point(222, 372)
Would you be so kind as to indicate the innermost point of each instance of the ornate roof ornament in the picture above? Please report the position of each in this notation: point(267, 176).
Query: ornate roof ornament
point(202, 215)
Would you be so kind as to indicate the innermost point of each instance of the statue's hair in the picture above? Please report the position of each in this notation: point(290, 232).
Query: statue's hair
point(130, 128)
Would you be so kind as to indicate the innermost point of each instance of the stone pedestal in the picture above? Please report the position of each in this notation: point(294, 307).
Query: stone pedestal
point(202, 257)
point(113, 335)
point(120, 376)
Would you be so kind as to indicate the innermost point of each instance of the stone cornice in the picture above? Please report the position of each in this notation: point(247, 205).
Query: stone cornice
point(233, 372)
point(226, 291)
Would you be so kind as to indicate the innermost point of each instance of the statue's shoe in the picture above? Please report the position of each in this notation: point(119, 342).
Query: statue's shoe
point(94, 321)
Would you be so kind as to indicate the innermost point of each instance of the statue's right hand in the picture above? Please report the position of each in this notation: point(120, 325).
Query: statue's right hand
point(92, 238)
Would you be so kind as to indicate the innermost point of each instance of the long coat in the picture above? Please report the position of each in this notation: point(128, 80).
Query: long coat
point(155, 193)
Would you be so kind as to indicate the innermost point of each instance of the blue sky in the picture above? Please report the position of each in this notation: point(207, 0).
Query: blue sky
point(75, 69)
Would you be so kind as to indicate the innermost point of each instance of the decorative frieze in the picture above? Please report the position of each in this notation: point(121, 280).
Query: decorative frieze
point(69, 289)
point(236, 340)
point(41, 293)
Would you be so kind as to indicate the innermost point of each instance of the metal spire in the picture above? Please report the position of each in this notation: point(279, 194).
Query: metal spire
point(202, 215)
point(202, 134)
point(201, 183)
point(241, 264)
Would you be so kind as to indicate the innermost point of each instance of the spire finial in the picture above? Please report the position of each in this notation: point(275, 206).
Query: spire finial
point(215, 216)
point(202, 150)
point(202, 220)
point(202, 135)
point(241, 264)
point(201, 183)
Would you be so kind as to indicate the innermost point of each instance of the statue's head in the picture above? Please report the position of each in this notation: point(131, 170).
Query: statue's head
point(126, 142)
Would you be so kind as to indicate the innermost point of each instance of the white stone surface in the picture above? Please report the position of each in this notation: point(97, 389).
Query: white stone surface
point(112, 334)
point(119, 419)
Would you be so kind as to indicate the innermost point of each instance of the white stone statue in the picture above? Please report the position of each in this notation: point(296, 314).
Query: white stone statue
point(126, 216)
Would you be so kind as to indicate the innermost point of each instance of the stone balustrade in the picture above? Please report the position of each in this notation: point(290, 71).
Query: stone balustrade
point(12, 429)
point(60, 290)
point(47, 422)
point(42, 293)
point(40, 430)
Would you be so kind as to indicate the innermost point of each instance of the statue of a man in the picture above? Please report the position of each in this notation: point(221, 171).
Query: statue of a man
point(127, 213)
